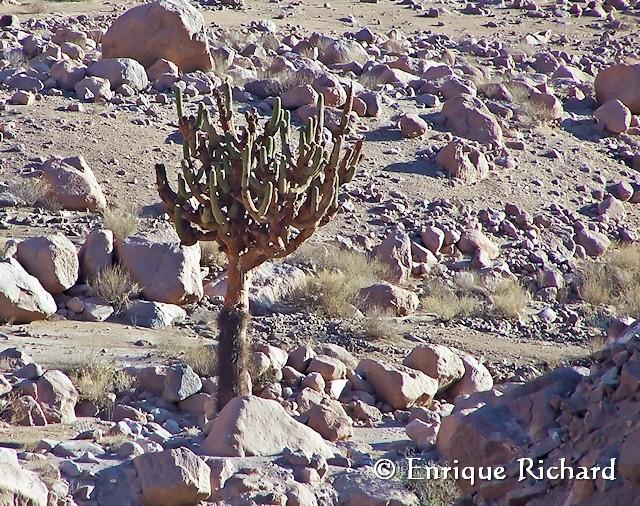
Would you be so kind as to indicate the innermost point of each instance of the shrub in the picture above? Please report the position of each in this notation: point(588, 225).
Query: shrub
point(97, 381)
point(114, 285)
point(509, 299)
point(448, 303)
point(122, 221)
point(382, 325)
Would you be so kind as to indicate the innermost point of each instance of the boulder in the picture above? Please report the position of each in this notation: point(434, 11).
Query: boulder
point(476, 378)
point(52, 259)
point(119, 71)
point(595, 244)
point(388, 298)
point(175, 477)
point(180, 382)
point(613, 116)
point(22, 297)
point(233, 432)
point(57, 397)
point(153, 315)
point(96, 253)
point(166, 270)
point(330, 420)
point(329, 368)
point(170, 29)
point(474, 240)
point(68, 73)
point(468, 117)
point(462, 161)
point(619, 82)
point(95, 89)
point(395, 251)
point(412, 125)
point(71, 183)
point(19, 487)
point(436, 361)
point(399, 386)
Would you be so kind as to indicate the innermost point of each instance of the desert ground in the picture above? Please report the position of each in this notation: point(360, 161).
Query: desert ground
point(467, 292)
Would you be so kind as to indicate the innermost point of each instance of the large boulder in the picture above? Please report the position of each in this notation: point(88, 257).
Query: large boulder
point(166, 270)
point(436, 361)
point(395, 252)
point(619, 82)
point(463, 161)
point(19, 487)
point(22, 298)
point(71, 183)
point(399, 386)
point(473, 240)
point(388, 298)
point(119, 71)
point(468, 117)
point(57, 397)
point(52, 259)
point(68, 73)
point(233, 432)
point(613, 116)
point(169, 29)
point(175, 477)
point(476, 378)
point(96, 253)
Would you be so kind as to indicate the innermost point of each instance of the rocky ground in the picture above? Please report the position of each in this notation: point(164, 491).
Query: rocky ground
point(473, 300)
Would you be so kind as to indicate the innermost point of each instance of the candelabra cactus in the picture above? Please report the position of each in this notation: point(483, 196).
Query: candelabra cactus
point(258, 196)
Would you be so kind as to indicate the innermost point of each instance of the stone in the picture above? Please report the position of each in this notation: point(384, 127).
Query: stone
point(412, 126)
point(595, 244)
point(300, 95)
point(153, 315)
point(468, 117)
point(613, 116)
point(619, 82)
point(167, 271)
point(96, 253)
point(361, 487)
point(399, 386)
point(329, 368)
point(175, 477)
point(330, 420)
point(233, 432)
point(395, 251)
point(71, 183)
point(22, 98)
point(433, 238)
point(388, 298)
point(180, 382)
point(120, 71)
point(436, 361)
point(22, 297)
point(422, 433)
point(95, 89)
point(20, 487)
point(300, 358)
point(462, 161)
point(52, 259)
point(170, 29)
point(477, 378)
point(57, 397)
point(474, 240)
point(24, 411)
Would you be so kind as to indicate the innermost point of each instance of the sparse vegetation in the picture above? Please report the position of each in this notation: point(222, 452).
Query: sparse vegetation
point(378, 325)
point(529, 113)
point(439, 491)
point(448, 303)
point(98, 381)
point(30, 192)
point(338, 276)
point(615, 281)
point(114, 285)
point(509, 299)
point(123, 221)
point(200, 357)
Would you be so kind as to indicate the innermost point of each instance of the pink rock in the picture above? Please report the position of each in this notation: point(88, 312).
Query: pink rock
point(550, 103)
point(412, 125)
point(71, 183)
point(436, 361)
point(595, 244)
point(468, 117)
point(613, 116)
point(395, 251)
point(620, 82)
point(433, 238)
point(476, 378)
point(463, 161)
point(473, 240)
point(422, 433)
point(388, 297)
point(298, 96)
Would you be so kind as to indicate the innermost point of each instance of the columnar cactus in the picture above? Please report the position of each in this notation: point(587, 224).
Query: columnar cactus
point(259, 195)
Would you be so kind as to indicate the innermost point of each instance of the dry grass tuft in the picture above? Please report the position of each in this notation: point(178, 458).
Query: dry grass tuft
point(31, 192)
point(114, 285)
point(200, 357)
point(441, 491)
point(122, 221)
point(530, 114)
point(381, 325)
point(97, 381)
point(614, 281)
point(339, 275)
point(448, 303)
point(510, 299)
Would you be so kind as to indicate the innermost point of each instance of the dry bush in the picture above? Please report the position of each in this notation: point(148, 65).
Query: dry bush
point(339, 275)
point(371, 80)
point(509, 299)
point(114, 285)
point(615, 281)
point(122, 221)
point(382, 325)
point(448, 303)
point(290, 78)
point(97, 381)
point(435, 492)
point(29, 191)
point(220, 66)
point(211, 255)
point(530, 114)
point(200, 357)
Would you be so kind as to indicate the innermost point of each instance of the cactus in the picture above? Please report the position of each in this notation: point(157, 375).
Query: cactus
point(257, 195)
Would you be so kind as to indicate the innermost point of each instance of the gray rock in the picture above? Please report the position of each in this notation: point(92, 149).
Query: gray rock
point(148, 314)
